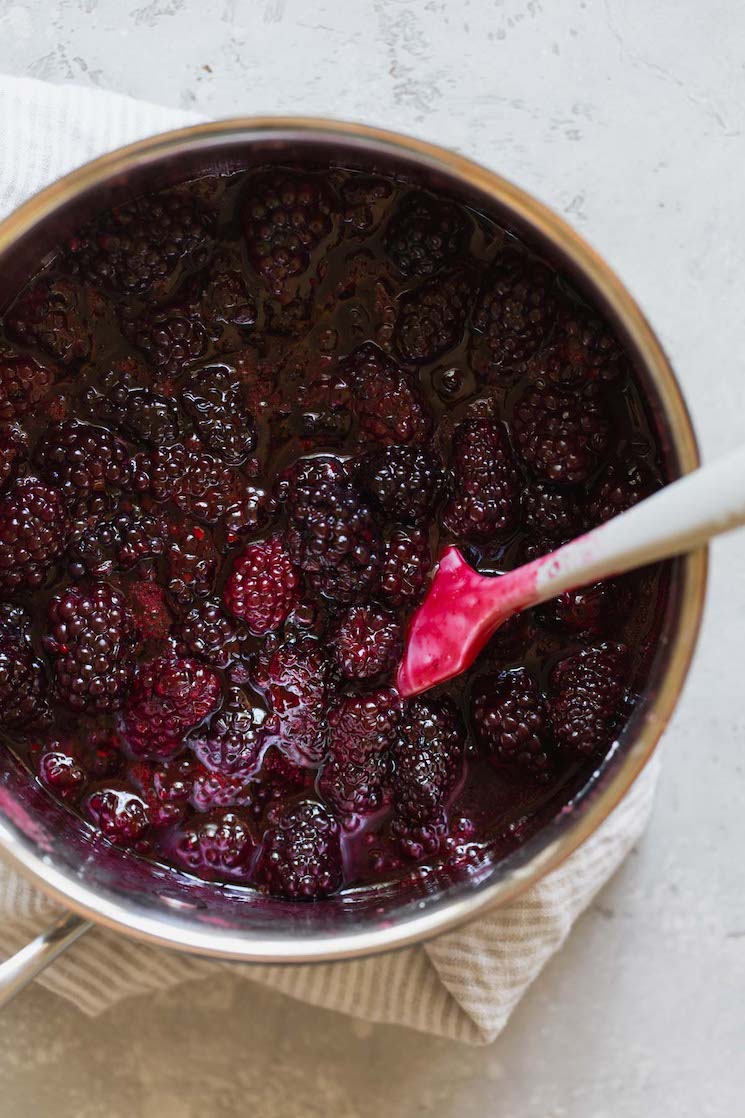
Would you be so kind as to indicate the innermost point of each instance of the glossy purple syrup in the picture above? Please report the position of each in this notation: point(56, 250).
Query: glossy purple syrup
point(285, 338)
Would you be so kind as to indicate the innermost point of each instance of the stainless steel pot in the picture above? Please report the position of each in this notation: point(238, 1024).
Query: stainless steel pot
point(107, 887)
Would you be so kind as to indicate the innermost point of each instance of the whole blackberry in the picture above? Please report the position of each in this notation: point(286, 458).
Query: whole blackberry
point(264, 585)
point(92, 639)
point(120, 815)
point(139, 413)
point(587, 697)
point(620, 486)
point(407, 561)
point(429, 757)
point(561, 437)
point(212, 398)
point(296, 677)
point(138, 248)
point(197, 482)
point(83, 460)
point(250, 510)
point(425, 234)
point(172, 339)
point(582, 351)
point(21, 674)
point(170, 696)
point(191, 563)
point(129, 539)
point(23, 385)
point(551, 512)
point(355, 778)
point(363, 196)
point(224, 301)
point(486, 482)
point(208, 633)
point(234, 741)
point(403, 481)
point(299, 481)
point(13, 451)
point(285, 217)
point(60, 771)
point(432, 318)
point(366, 642)
point(301, 853)
point(416, 841)
point(218, 790)
point(515, 312)
point(49, 314)
point(34, 529)
point(386, 400)
point(166, 788)
point(590, 609)
point(510, 721)
point(216, 846)
point(334, 539)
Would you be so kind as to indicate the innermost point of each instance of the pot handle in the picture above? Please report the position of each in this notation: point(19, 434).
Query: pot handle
point(21, 968)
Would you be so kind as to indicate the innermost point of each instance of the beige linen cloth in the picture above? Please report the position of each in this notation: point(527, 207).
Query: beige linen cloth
point(463, 985)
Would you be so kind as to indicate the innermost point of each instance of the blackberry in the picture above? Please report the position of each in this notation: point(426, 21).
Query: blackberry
point(212, 398)
point(172, 339)
point(213, 847)
point(552, 512)
point(209, 634)
point(424, 235)
point(297, 484)
point(49, 314)
point(432, 318)
point(355, 778)
point(129, 539)
point(386, 401)
point(34, 529)
point(402, 481)
point(224, 301)
point(233, 743)
point(60, 771)
point(92, 640)
point(296, 677)
point(21, 674)
point(619, 487)
point(367, 642)
point(587, 698)
point(13, 451)
point(511, 722)
point(363, 196)
point(417, 840)
point(264, 585)
point(486, 482)
point(138, 248)
point(166, 788)
point(285, 217)
point(407, 561)
point(514, 313)
point(217, 790)
point(197, 482)
point(301, 853)
point(429, 757)
point(149, 610)
point(169, 696)
point(591, 609)
point(83, 460)
point(582, 351)
point(250, 510)
point(560, 437)
point(23, 385)
point(140, 414)
point(191, 563)
point(120, 815)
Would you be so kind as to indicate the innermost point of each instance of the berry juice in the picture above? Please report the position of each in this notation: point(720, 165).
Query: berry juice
point(239, 420)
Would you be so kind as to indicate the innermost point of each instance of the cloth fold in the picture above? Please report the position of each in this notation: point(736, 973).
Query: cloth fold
point(463, 985)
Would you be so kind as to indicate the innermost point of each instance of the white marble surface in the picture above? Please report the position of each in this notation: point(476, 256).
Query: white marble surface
point(627, 117)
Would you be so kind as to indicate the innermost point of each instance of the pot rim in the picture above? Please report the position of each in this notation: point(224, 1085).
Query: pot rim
point(561, 838)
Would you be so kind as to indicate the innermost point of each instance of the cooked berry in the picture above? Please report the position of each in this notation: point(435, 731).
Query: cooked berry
point(362, 197)
point(621, 485)
point(424, 235)
point(582, 351)
point(215, 790)
point(191, 561)
point(137, 248)
point(285, 216)
point(552, 512)
point(588, 692)
point(510, 720)
point(92, 640)
point(34, 529)
point(166, 788)
point(407, 561)
point(486, 482)
point(120, 544)
point(403, 481)
point(223, 300)
point(591, 609)
point(139, 413)
point(560, 436)
point(120, 815)
point(172, 339)
point(515, 311)
point(296, 677)
point(264, 585)
point(150, 610)
point(23, 385)
point(21, 676)
point(355, 778)
point(82, 459)
point(196, 481)
point(208, 633)
point(417, 840)
point(367, 642)
point(334, 539)
point(217, 846)
point(169, 696)
point(50, 315)
point(298, 483)
point(251, 508)
point(58, 768)
point(13, 451)
point(432, 318)
point(387, 402)
point(301, 853)
point(212, 398)
point(429, 759)
point(233, 742)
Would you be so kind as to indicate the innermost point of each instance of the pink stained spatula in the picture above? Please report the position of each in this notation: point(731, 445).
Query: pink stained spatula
point(463, 609)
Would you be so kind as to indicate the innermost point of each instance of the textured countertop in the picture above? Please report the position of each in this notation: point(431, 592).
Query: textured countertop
point(627, 118)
